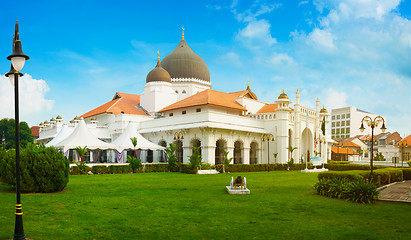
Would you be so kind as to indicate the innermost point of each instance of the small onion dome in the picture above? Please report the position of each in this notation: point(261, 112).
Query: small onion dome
point(46, 122)
point(59, 117)
point(323, 110)
point(41, 124)
point(283, 96)
point(76, 118)
point(52, 120)
point(158, 74)
point(93, 119)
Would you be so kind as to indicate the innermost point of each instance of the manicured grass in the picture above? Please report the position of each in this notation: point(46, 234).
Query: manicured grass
point(281, 205)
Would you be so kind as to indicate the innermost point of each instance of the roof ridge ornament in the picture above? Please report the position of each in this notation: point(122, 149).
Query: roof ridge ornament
point(248, 83)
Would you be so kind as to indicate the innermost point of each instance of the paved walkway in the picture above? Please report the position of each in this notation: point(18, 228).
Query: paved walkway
point(397, 192)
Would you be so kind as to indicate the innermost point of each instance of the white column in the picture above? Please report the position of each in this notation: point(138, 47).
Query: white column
point(186, 153)
point(246, 155)
point(208, 154)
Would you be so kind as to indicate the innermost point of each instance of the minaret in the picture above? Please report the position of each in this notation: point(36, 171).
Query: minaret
point(282, 116)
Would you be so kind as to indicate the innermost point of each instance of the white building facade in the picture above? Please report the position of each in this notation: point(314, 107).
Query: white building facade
point(178, 106)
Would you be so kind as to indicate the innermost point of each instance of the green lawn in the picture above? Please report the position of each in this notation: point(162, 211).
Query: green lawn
point(182, 206)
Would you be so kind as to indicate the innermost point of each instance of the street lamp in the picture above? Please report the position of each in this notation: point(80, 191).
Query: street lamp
point(372, 123)
point(3, 140)
point(18, 59)
point(268, 138)
point(403, 144)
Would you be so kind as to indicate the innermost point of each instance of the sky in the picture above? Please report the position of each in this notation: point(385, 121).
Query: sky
point(343, 52)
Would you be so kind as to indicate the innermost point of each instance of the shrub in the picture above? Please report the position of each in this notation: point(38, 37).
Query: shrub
point(379, 157)
point(406, 173)
point(100, 169)
point(119, 169)
point(361, 192)
point(207, 166)
point(171, 158)
point(187, 168)
point(338, 162)
point(42, 169)
point(195, 159)
point(226, 162)
point(352, 176)
point(156, 167)
point(134, 163)
point(347, 167)
point(409, 163)
point(76, 170)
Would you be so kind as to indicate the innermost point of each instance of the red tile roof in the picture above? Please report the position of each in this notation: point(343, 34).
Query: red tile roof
point(268, 108)
point(343, 151)
point(350, 144)
point(406, 140)
point(122, 103)
point(246, 93)
point(207, 97)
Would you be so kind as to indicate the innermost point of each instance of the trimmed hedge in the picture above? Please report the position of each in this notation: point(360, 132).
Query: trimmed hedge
point(349, 175)
point(42, 169)
point(348, 167)
point(120, 169)
point(406, 173)
point(338, 162)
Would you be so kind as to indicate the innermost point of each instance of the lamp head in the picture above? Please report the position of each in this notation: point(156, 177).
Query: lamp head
point(383, 128)
point(10, 74)
point(362, 128)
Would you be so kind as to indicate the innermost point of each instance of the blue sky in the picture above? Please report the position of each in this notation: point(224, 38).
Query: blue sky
point(345, 52)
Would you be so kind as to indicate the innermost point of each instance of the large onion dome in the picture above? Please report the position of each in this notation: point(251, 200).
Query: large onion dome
point(184, 63)
point(158, 74)
point(283, 96)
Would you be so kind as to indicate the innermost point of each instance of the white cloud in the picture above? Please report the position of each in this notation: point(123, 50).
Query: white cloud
point(335, 99)
point(32, 98)
point(322, 39)
point(230, 58)
point(256, 35)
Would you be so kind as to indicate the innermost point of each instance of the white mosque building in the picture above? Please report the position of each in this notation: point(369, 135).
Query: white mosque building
point(178, 106)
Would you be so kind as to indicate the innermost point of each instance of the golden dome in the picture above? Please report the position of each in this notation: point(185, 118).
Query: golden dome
point(52, 120)
point(283, 96)
point(323, 110)
point(46, 122)
point(59, 117)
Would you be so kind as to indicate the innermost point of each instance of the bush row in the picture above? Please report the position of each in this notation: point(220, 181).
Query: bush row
point(347, 167)
point(118, 169)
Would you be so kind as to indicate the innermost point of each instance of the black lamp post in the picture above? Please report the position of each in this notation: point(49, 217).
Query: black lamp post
point(403, 144)
point(268, 138)
point(3, 141)
point(17, 60)
point(372, 123)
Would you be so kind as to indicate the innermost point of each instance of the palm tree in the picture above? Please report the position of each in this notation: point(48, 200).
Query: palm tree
point(291, 149)
point(134, 142)
point(81, 152)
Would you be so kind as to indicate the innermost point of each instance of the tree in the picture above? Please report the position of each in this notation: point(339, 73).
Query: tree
point(134, 142)
point(360, 151)
point(195, 159)
point(291, 149)
point(81, 152)
point(275, 157)
point(226, 162)
point(171, 157)
point(8, 127)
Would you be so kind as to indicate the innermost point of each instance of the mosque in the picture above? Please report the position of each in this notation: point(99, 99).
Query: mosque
point(178, 106)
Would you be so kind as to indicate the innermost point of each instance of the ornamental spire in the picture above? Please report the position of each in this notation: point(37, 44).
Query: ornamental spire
point(183, 33)
point(16, 31)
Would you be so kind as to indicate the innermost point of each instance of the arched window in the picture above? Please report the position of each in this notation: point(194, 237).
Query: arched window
point(253, 153)
point(238, 146)
point(196, 143)
point(149, 156)
point(179, 151)
point(219, 151)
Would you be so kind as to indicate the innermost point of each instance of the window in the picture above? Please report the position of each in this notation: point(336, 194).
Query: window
point(171, 114)
point(347, 115)
point(333, 124)
point(338, 124)
point(406, 156)
point(332, 131)
point(347, 136)
point(184, 92)
point(347, 130)
point(333, 117)
point(184, 112)
point(338, 131)
point(338, 117)
point(176, 91)
point(347, 123)
point(342, 130)
point(337, 136)
point(342, 123)
point(198, 110)
point(342, 116)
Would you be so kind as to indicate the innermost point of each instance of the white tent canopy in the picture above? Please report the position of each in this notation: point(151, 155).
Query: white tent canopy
point(63, 134)
point(82, 137)
point(123, 142)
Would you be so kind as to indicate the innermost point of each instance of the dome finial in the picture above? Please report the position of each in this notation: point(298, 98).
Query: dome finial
point(158, 57)
point(283, 90)
point(248, 83)
point(183, 33)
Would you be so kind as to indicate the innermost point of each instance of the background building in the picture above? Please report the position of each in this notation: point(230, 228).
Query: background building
point(346, 122)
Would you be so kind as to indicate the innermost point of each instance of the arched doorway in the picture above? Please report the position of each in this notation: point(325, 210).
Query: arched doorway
point(179, 151)
point(162, 155)
point(219, 151)
point(253, 153)
point(238, 146)
point(196, 143)
point(149, 156)
point(307, 143)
